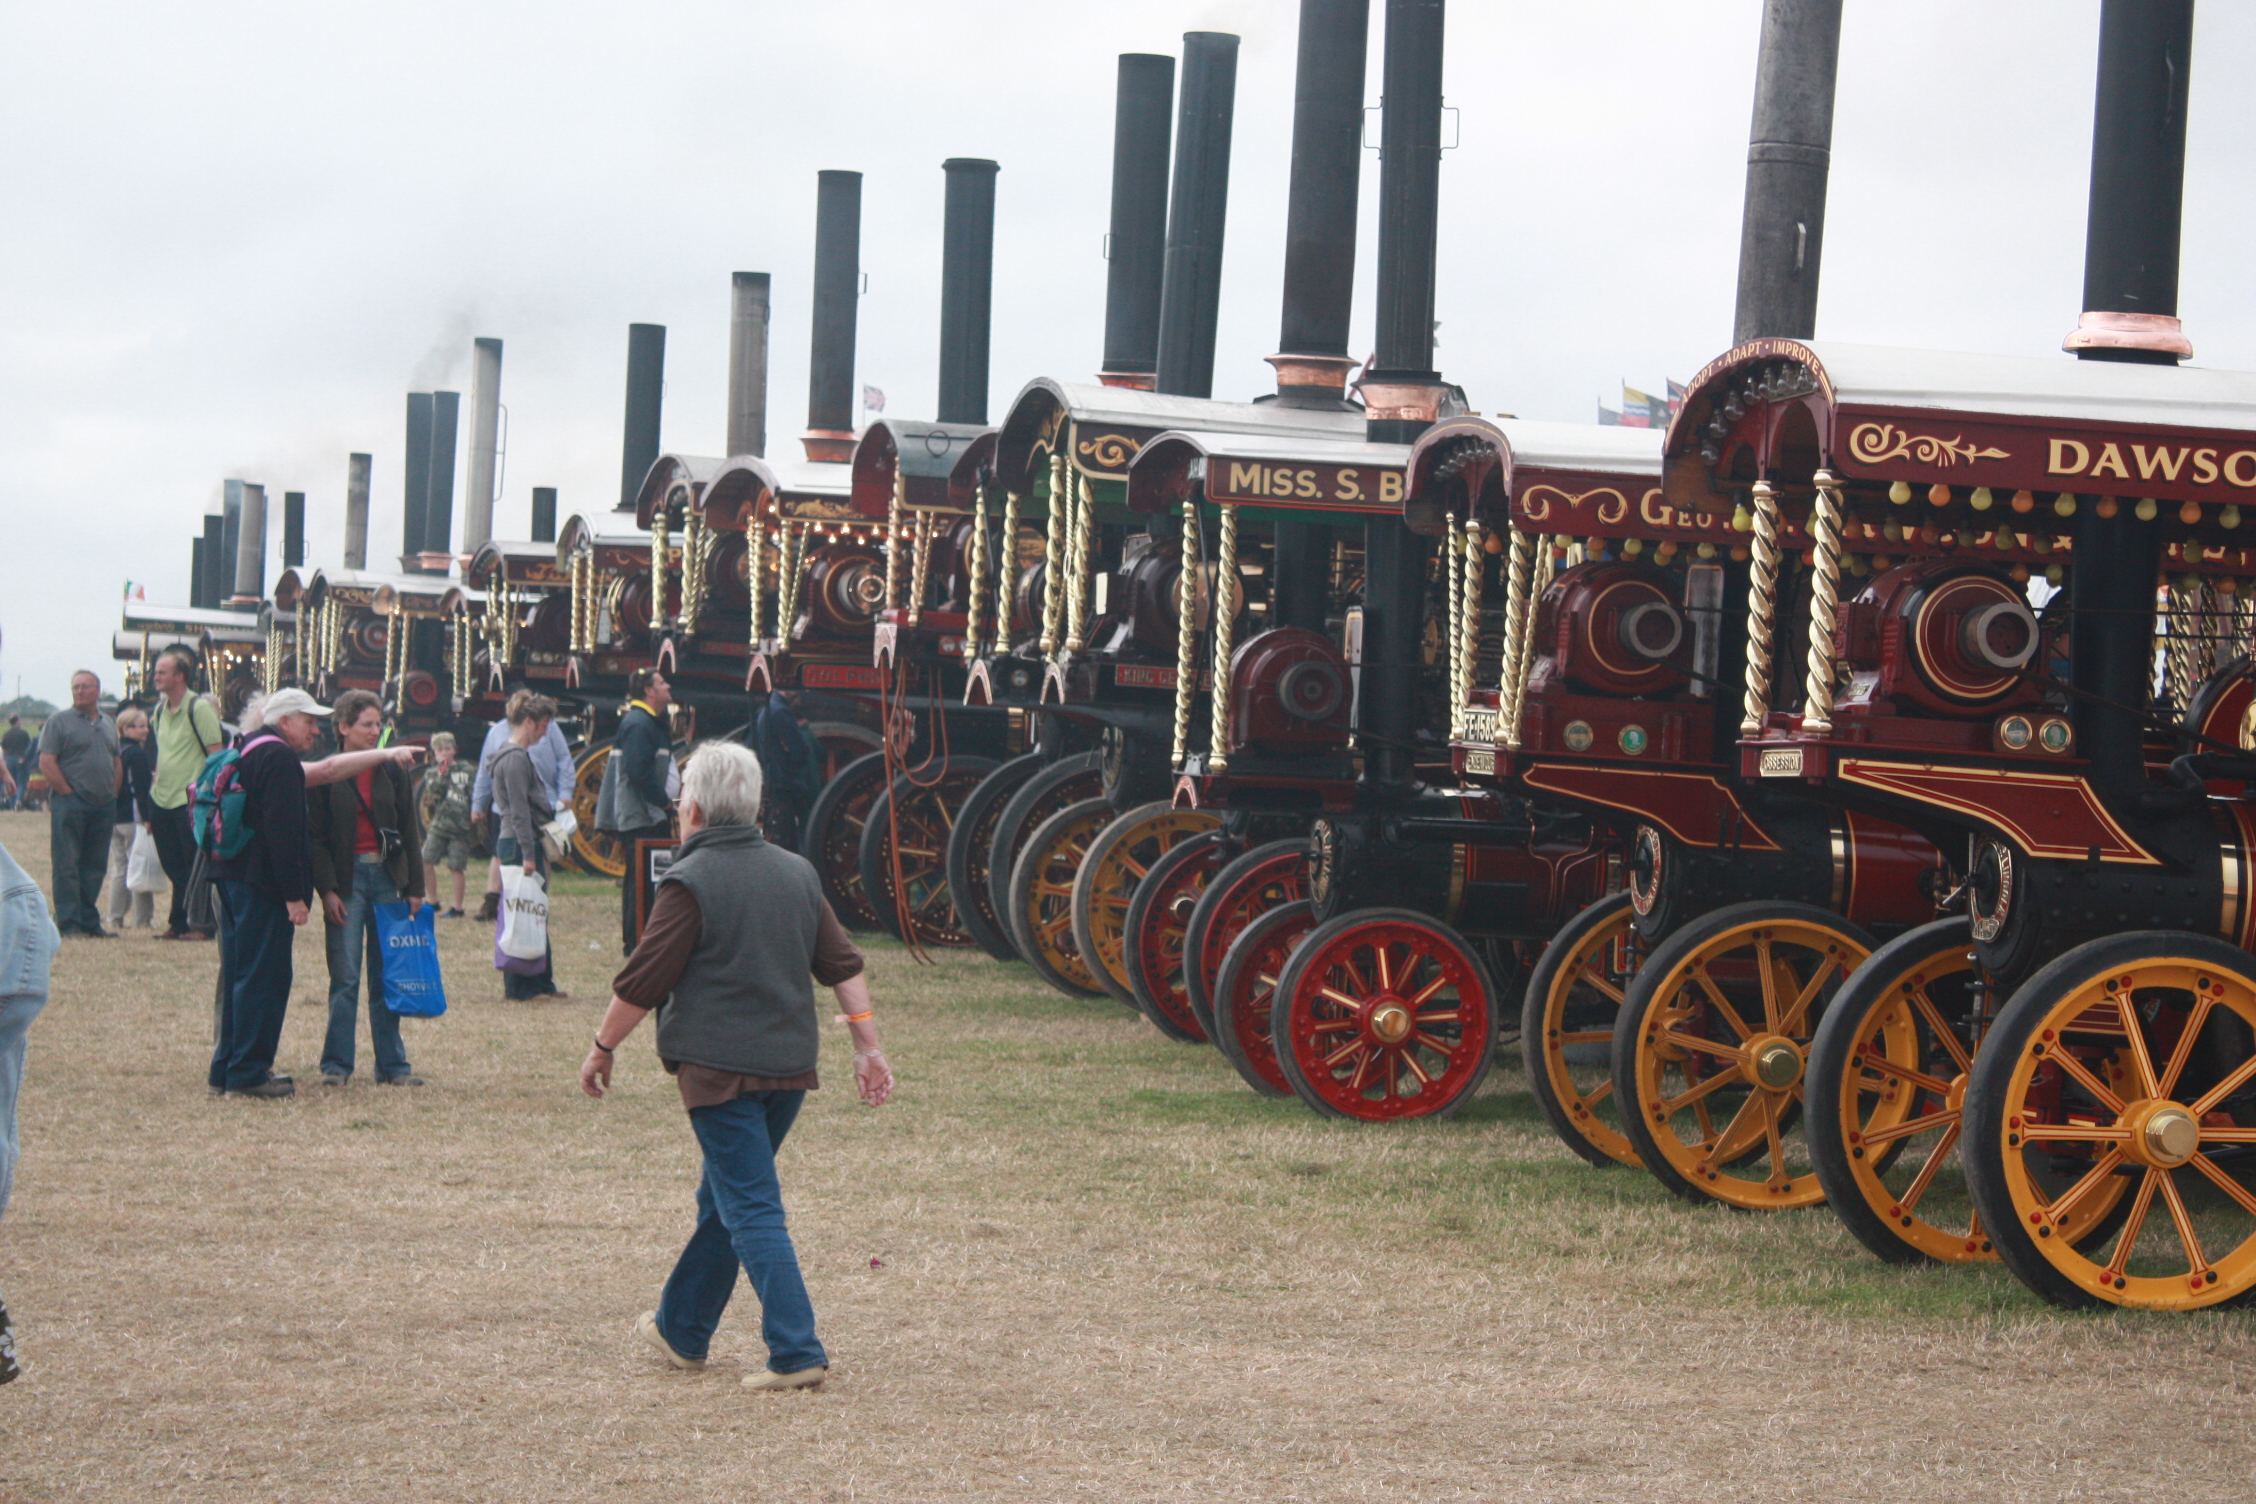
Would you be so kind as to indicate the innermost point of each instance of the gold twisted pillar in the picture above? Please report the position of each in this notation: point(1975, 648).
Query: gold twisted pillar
point(921, 585)
point(1468, 665)
point(1054, 561)
point(893, 539)
point(1186, 632)
point(1006, 574)
point(1762, 611)
point(1515, 637)
point(661, 549)
point(1225, 623)
point(1084, 527)
point(1825, 602)
point(977, 567)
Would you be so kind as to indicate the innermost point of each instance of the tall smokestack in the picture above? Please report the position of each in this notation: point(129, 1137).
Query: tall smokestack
point(485, 444)
point(230, 540)
point(838, 289)
point(217, 563)
point(293, 529)
point(416, 488)
point(196, 553)
point(2131, 306)
point(1403, 389)
point(544, 514)
point(250, 548)
point(438, 511)
point(1190, 300)
point(748, 364)
point(1136, 250)
point(967, 287)
point(1789, 153)
point(356, 510)
point(1327, 160)
point(646, 396)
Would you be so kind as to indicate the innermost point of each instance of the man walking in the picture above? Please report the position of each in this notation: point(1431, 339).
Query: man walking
point(78, 751)
point(186, 732)
point(15, 750)
point(634, 804)
point(365, 839)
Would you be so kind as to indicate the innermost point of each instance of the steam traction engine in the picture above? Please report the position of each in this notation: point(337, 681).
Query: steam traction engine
point(2099, 1087)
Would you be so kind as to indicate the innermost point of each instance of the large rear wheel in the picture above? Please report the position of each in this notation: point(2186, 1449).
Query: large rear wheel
point(1384, 1014)
point(1157, 916)
point(971, 843)
point(1271, 874)
point(1710, 1049)
point(1567, 1020)
point(1041, 895)
point(2124, 1067)
point(1118, 861)
point(906, 836)
point(833, 841)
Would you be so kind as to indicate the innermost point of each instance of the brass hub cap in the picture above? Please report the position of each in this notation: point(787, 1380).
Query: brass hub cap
point(1774, 1062)
point(1390, 1022)
point(2163, 1134)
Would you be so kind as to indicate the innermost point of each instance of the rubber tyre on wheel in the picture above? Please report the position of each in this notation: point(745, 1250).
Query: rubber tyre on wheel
point(1041, 895)
point(1573, 998)
point(920, 810)
point(1679, 1019)
point(1118, 862)
point(1157, 918)
point(1245, 994)
point(971, 844)
point(833, 841)
point(1273, 873)
point(1367, 990)
point(1066, 781)
point(2132, 1052)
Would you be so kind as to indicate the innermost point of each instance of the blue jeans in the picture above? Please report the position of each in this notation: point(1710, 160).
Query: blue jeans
point(371, 885)
point(740, 1225)
point(257, 939)
point(27, 954)
point(79, 837)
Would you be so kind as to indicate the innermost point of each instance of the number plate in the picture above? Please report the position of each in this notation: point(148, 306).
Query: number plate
point(1781, 762)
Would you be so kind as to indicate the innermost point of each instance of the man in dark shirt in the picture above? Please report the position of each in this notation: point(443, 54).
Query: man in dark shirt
point(15, 748)
point(78, 753)
point(634, 804)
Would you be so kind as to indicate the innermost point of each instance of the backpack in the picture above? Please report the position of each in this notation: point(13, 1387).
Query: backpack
point(216, 808)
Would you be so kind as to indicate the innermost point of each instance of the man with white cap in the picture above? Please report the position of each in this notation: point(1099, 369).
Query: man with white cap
point(267, 887)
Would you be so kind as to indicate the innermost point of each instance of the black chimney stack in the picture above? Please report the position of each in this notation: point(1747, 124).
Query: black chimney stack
point(1136, 250)
point(356, 510)
point(230, 532)
point(748, 363)
point(196, 571)
point(1789, 154)
point(967, 288)
point(646, 396)
point(1327, 148)
point(293, 529)
point(2131, 305)
point(438, 510)
point(838, 291)
point(215, 537)
point(1403, 390)
point(1190, 299)
point(544, 514)
point(416, 496)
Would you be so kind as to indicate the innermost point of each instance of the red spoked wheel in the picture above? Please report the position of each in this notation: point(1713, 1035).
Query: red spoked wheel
point(1267, 877)
point(1245, 994)
point(906, 835)
point(1382, 1015)
point(1157, 917)
point(1118, 862)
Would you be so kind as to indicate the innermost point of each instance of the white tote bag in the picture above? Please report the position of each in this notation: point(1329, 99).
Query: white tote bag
point(144, 873)
point(524, 915)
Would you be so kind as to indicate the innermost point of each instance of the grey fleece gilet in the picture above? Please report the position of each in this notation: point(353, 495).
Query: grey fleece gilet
point(746, 1000)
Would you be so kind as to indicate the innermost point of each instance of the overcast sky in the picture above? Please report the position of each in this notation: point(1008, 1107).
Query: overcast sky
point(238, 233)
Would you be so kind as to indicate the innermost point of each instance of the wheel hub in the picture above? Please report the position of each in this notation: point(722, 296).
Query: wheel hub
point(1390, 1022)
point(2163, 1134)
point(1774, 1062)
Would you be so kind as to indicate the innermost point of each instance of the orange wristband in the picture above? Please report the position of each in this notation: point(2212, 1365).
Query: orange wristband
point(862, 1017)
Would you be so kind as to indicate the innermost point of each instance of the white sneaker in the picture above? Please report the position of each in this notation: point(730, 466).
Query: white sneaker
point(648, 1326)
point(805, 1378)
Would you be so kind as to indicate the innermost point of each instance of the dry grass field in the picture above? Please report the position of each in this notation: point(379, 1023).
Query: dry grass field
point(1070, 1261)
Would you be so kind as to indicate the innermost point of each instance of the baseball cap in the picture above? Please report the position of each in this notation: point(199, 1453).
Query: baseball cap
point(292, 702)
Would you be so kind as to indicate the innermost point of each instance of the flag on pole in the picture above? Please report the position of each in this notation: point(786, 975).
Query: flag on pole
point(1676, 395)
point(1607, 417)
point(873, 400)
point(1636, 409)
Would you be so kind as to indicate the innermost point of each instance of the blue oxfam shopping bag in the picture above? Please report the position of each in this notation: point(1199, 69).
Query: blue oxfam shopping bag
point(412, 987)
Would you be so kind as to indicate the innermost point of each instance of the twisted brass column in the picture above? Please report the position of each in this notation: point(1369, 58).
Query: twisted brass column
point(1825, 600)
point(1515, 637)
point(1054, 560)
point(1762, 611)
point(1186, 631)
point(1225, 622)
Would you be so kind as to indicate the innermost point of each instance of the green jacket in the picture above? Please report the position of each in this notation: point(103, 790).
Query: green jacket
point(332, 819)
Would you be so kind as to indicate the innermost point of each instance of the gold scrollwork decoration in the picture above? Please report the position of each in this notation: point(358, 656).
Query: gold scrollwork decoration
point(1878, 443)
point(1108, 451)
point(1608, 506)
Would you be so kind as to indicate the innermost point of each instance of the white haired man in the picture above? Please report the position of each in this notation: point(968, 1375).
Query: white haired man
point(737, 936)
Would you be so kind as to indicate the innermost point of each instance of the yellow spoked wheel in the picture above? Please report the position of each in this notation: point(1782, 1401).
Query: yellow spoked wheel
point(1711, 1044)
point(1102, 889)
point(1567, 1022)
point(2127, 1065)
point(1041, 895)
point(598, 851)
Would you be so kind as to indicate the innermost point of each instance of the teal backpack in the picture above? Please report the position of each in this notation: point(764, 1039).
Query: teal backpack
point(216, 810)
